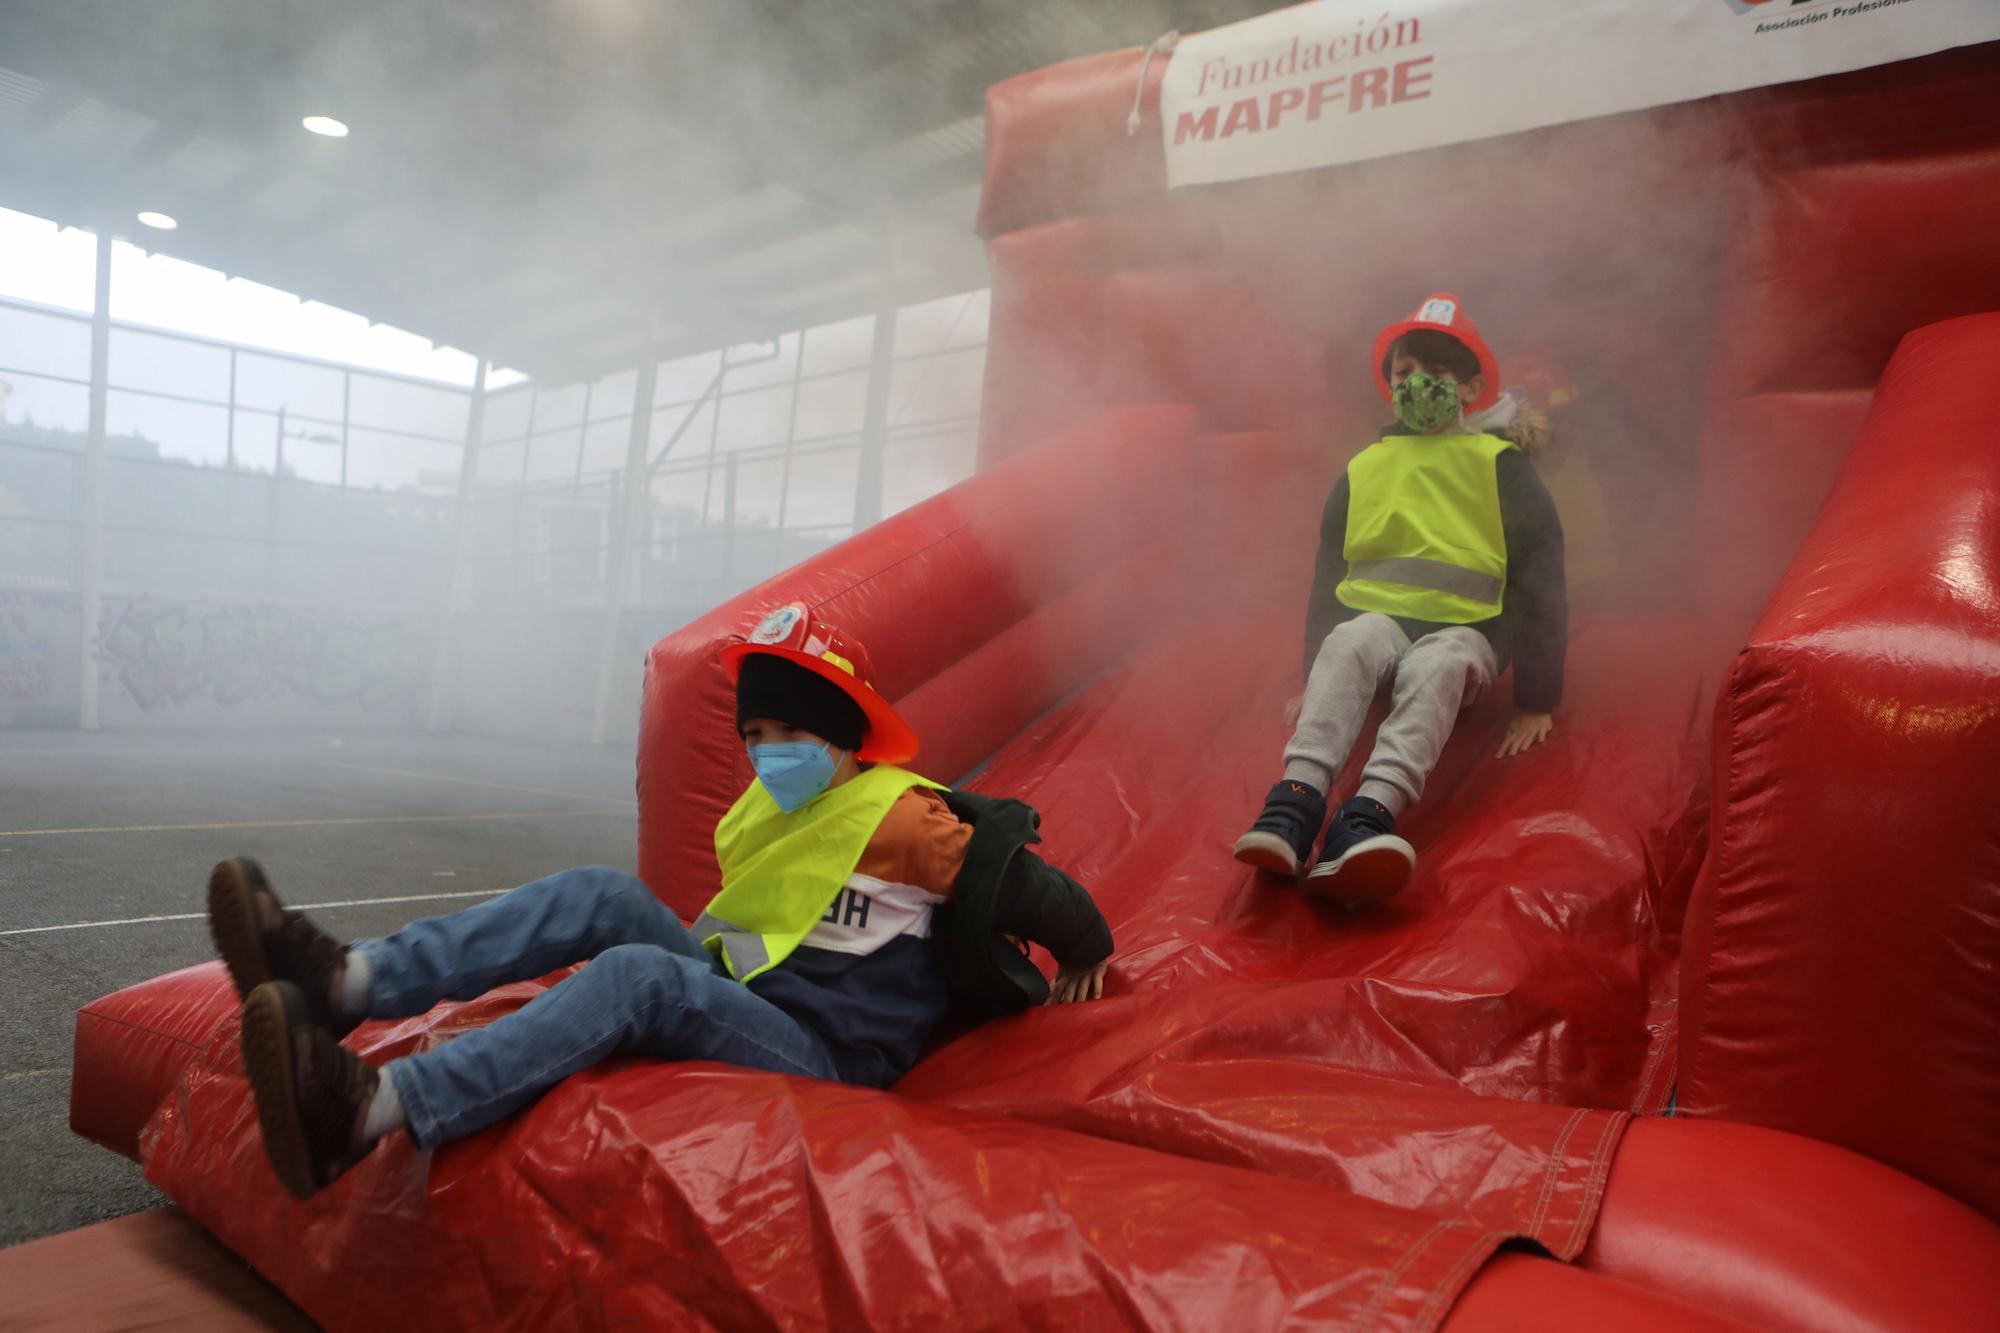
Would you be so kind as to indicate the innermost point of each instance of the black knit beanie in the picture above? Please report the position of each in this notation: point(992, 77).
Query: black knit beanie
point(786, 692)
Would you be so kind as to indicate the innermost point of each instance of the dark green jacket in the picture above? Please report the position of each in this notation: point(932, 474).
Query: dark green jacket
point(1006, 890)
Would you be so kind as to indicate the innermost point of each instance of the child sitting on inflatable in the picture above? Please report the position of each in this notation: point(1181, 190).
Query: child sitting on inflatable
point(857, 899)
point(1440, 558)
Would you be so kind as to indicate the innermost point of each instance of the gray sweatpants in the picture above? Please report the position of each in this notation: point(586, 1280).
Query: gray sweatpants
point(1435, 677)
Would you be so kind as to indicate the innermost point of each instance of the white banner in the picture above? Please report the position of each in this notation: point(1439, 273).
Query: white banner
point(1342, 80)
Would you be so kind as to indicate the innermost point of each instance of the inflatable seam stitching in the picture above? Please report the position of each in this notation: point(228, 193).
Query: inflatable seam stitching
point(1366, 1318)
point(1594, 1183)
point(1453, 1280)
point(1554, 1168)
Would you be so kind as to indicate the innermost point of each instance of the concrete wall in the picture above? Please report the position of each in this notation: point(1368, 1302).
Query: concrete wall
point(170, 662)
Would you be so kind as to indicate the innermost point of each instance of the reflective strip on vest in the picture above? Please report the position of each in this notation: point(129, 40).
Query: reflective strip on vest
point(1414, 571)
point(1425, 538)
point(743, 951)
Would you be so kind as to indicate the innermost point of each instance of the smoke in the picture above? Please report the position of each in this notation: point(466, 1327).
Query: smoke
point(576, 187)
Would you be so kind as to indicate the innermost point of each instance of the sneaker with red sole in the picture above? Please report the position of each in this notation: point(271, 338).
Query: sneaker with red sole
point(1363, 861)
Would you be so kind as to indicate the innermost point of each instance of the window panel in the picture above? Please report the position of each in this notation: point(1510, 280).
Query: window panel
point(499, 466)
point(915, 470)
point(822, 488)
point(756, 420)
point(841, 346)
point(759, 486)
point(677, 437)
point(678, 497)
point(507, 413)
point(314, 458)
point(682, 380)
point(552, 454)
point(604, 446)
point(168, 365)
point(44, 344)
point(60, 411)
point(379, 461)
point(937, 388)
point(561, 406)
point(256, 444)
point(751, 365)
point(189, 431)
point(949, 321)
point(416, 408)
point(753, 557)
point(836, 405)
point(612, 395)
point(298, 388)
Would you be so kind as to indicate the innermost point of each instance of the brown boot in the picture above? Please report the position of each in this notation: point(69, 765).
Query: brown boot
point(312, 1092)
point(261, 940)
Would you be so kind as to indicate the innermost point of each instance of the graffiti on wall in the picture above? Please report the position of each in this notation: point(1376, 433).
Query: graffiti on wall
point(171, 654)
point(27, 667)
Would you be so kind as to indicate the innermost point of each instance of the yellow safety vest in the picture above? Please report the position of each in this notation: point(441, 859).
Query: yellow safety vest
point(781, 871)
point(1424, 538)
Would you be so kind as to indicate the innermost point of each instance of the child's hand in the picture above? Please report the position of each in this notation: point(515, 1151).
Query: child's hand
point(1293, 706)
point(1525, 729)
point(1080, 983)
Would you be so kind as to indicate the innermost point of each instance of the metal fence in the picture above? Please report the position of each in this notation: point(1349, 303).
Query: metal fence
point(754, 461)
point(235, 475)
point(229, 472)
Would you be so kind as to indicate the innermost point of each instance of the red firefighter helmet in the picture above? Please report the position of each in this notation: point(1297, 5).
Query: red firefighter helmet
point(1445, 313)
point(794, 634)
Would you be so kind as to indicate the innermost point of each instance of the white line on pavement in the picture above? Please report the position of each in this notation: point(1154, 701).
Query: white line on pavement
point(601, 812)
point(197, 916)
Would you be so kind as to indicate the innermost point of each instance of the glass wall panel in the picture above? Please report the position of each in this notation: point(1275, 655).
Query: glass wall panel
point(822, 487)
point(300, 388)
point(44, 344)
point(161, 427)
point(756, 420)
point(835, 405)
point(417, 409)
point(48, 411)
point(847, 345)
point(168, 365)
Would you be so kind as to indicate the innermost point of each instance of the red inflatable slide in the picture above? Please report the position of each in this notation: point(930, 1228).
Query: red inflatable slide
point(1691, 1016)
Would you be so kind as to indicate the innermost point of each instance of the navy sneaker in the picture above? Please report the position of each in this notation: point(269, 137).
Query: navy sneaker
point(1363, 860)
point(1282, 838)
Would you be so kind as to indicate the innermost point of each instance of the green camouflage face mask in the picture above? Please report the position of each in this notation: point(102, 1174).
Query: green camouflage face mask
point(1424, 401)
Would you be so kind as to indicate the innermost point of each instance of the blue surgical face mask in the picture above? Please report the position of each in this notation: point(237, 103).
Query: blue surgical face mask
point(794, 771)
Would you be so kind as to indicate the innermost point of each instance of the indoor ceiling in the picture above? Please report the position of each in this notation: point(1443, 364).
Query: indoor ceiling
point(536, 180)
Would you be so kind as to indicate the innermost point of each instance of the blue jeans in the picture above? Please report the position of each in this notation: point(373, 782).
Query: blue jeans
point(650, 989)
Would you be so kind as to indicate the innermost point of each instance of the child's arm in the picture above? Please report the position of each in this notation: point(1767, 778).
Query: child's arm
point(1049, 908)
point(1537, 600)
point(1329, 568)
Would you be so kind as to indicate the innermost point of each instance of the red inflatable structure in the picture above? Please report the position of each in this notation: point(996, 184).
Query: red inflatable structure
point(1691, 1017)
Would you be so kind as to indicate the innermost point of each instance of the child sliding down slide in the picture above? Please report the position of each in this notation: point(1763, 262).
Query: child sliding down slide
point(857, 901)
point(1440, 559)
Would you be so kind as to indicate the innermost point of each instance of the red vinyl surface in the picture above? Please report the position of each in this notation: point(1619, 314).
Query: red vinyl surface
point(1285, 1115)
point(1841, 975)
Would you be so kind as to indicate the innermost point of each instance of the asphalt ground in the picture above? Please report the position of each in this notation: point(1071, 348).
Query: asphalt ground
point(106, 840)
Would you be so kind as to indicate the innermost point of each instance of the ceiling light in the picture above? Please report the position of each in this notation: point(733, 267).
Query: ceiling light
point(326, 125)
point(159, 220)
